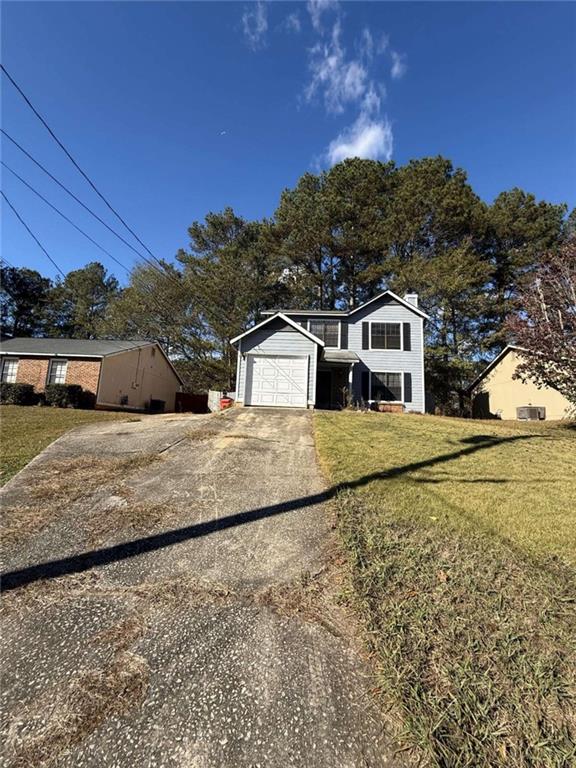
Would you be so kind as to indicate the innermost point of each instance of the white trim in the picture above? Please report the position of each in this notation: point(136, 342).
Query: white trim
point(384, 349)
point(9, 360)
point(333, 320)
point(49, 373)
point(238, 364)
point(396, 298)
point(312, 399)
point(423, 379)
point(371, 400)
point(286, 320)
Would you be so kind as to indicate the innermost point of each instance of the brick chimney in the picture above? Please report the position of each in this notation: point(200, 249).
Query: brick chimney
point(411, 298)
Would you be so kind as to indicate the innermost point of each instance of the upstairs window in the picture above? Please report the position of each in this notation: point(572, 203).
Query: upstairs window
point(57, 372)
point(327, 330)
point(387, 386)
point(385, 336)
point(9, 370)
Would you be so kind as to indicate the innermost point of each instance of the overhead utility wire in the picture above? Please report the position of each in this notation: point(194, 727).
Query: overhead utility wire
point(73, 161)
point(72, 195)
point(150, 263)
point(154, 299)
point(68, 154)
point(32, 234)
point(63, 215)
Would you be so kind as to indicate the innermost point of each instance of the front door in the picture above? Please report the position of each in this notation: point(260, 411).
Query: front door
point(324, 389)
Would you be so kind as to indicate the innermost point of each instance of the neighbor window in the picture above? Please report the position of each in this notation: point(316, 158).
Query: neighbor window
point(57, 374)
point(386, 386)
point(327, 330)
point(9, 370)
point(385, 336)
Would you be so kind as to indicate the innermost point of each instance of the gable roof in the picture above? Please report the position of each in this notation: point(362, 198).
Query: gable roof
point(287, 320)
point(494, 363)
point(394, 297)
point(95, 348)
point(72, 347)
point(344, 312)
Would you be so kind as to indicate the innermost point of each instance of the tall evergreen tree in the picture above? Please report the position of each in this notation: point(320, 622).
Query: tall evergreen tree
point(24, 297)
point(78, 304)
point(519, 229)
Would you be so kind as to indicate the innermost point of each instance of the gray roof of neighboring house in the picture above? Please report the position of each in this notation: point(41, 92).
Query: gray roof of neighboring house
point(339, 356)
point(75, 347)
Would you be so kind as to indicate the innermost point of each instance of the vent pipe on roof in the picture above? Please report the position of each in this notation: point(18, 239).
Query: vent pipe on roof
point(411, 298)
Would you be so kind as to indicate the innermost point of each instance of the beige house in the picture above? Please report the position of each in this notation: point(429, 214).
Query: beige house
point(121, 375)
point(497, 394)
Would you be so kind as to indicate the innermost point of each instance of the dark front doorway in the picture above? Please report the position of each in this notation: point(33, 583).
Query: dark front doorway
point(323, 389)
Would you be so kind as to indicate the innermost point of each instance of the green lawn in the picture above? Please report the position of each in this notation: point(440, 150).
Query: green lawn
point(27, 430)
point(461, 538)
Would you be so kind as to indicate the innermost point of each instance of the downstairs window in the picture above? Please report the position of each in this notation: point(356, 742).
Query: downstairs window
point(386, 386)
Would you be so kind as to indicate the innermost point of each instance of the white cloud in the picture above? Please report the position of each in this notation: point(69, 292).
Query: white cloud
point(383, 43)
point(366, 44)
point(292, 22)
point(255, 24)
point(371, 101)
point(398, 65)
point(337, 79)
point(366, 138)
point(316, 8)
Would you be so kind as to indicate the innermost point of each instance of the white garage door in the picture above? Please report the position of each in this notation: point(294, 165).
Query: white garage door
point(277, 381)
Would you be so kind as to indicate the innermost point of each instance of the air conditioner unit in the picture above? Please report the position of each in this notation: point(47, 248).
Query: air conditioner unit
point(530, 413)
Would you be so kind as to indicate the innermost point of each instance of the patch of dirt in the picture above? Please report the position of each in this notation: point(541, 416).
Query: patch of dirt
point(63, 481)
point(127, 517)
point(160, 594)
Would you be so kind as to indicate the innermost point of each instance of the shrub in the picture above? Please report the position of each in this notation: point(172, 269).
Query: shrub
point(63, 395)
point(17, 394)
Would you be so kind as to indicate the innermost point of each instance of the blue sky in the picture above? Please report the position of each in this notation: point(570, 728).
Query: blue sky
point(178, 109)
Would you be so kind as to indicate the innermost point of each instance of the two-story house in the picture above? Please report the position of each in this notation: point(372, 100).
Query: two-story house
point(322, 358)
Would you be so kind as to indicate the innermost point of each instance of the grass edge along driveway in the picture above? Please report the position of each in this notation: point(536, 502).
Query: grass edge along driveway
point(27, 430)
point(461, 542)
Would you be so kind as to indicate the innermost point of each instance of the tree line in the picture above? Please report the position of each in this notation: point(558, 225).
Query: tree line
point(336, 239)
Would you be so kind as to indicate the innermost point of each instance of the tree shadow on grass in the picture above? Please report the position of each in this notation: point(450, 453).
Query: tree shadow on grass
point(100, 557)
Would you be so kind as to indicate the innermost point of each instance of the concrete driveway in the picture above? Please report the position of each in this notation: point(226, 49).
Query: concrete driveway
point(169, 602)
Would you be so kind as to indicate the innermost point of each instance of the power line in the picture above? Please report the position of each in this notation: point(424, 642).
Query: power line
point(161, 271)
point(72, 195)
point(154, 299)
point(5, 260)
point(32, 234)
point(61, 145)
point(67, 153)
point(63, 215)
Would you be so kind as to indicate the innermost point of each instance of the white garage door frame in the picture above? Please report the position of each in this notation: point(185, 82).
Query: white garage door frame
point(282, 389)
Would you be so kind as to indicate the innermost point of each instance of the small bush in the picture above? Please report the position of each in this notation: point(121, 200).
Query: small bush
point(17, 394)
point(64, 395)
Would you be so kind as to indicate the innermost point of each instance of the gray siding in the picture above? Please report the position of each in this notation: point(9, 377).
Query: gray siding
point(389, 311)
point(277, 338)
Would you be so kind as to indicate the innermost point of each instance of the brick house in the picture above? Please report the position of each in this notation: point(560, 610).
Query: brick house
point(123, 375)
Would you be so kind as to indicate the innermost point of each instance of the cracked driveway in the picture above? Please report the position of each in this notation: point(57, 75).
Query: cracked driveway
point(162, 605)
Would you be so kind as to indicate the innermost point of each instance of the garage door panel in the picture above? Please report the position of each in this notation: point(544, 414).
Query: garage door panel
point(277, 381)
